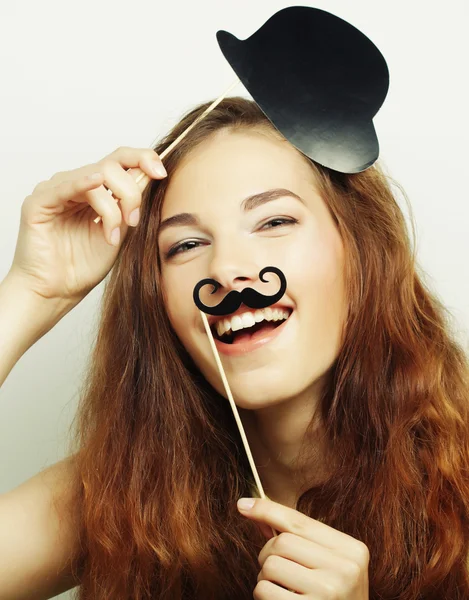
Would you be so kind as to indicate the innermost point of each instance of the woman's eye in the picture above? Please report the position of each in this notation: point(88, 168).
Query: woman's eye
point(281, 220)
point(191, 244)
point(178, 248)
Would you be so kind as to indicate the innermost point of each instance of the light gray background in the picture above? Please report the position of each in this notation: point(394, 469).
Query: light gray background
point(80, 79)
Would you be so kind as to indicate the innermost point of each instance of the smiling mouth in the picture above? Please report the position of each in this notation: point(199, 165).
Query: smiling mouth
point(257, 331)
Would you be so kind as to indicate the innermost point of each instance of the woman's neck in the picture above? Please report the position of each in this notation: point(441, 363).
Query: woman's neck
point(276, 435)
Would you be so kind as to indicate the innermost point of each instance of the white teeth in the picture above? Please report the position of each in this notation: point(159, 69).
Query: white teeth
point(236, 323)
point(248, 319)
point(259, 316)
point(222, 326)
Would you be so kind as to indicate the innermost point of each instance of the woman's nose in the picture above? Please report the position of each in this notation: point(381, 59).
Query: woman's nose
point(232, 265)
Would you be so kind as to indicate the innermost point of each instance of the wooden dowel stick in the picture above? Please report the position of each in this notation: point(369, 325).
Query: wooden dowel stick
point(178, 139)
point(234, 408)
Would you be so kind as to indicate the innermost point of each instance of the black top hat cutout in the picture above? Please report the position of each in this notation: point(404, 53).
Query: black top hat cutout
point(318, 79)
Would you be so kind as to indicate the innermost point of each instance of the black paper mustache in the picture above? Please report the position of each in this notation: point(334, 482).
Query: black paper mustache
point(233, 300)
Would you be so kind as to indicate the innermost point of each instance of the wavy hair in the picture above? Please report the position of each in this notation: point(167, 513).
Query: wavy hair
point(158, 460)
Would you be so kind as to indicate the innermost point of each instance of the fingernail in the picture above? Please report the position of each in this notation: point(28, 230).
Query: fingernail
point(134, 217)
point(115, 236)
point(159, 170)
point(245, 503)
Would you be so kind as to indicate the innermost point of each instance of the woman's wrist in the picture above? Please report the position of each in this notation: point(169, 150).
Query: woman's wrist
point(24, 318)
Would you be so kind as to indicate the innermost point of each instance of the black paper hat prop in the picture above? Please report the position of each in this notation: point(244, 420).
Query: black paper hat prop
point(317, 78)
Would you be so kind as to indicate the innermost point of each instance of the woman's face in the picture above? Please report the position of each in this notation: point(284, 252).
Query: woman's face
point(232, 242)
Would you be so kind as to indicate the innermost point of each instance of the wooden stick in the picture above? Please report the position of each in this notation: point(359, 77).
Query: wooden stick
point(178, 139)
point(234, 408)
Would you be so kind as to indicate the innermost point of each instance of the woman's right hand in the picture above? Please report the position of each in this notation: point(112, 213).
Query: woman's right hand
point(61, 252)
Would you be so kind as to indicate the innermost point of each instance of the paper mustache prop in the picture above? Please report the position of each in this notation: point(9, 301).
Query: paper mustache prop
point(230, 303)
point(233, 300)
point(318, 79)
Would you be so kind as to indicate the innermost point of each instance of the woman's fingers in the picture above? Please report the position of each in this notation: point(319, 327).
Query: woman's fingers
point(266, 590)
point(127, 186)
point(114, 192)
point(299, 550)
point(107, 208)
point(283, 518)
point(123, 186)
point(48, 199)
point(145, 159)
point(286, 573)
point(59, 249)
point(47, 202)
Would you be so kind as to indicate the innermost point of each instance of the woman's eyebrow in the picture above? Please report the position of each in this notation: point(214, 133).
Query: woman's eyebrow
point(247, 204)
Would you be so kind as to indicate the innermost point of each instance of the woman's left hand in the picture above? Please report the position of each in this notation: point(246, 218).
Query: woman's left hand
point(307, 557)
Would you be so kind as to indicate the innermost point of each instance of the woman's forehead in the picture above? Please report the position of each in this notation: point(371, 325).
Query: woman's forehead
point(235, 165)
point(249, 150)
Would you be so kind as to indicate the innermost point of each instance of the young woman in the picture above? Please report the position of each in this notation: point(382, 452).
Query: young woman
point(352, 390)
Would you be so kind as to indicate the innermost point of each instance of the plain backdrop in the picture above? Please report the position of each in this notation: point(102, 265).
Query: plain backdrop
point(81, 78)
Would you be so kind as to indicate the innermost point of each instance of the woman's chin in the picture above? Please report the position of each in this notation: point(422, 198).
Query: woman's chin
point(259, 405)
point(253, 391)
point(258, 400)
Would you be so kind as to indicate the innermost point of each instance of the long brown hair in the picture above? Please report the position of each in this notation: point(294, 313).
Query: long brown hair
point(158, 460)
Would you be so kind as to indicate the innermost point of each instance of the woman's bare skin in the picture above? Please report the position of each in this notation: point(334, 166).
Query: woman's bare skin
point(36, 542)
point(60, 256)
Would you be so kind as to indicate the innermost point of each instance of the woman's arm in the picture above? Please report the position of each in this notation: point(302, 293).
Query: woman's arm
point(39, 535)
point(24, 318)
point(38, 530)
